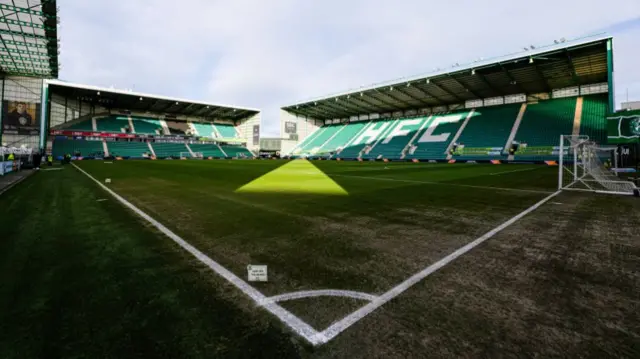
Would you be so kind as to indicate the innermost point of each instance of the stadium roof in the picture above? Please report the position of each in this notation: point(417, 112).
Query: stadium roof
point(535, 70)
point(135, 101)
point(29, 38)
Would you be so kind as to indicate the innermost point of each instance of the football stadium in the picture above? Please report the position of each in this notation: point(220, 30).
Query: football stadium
point(486, 210)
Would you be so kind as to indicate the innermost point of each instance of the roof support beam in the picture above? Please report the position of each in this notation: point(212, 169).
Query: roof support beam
point(488, 85)
point(446, 91)
point(574, 75)
point(513, 81)
point(315, 111)
point(429, 94)
point(463, 85)
point(377, 92)
point(543, 80)
point(341, 111)
point(376, 107)
point(352, 105)
point(399, 89)
point(358, 102)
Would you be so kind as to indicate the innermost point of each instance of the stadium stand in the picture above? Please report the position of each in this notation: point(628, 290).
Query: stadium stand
point(391, 147)
point(113, 124)
point(86, 125)
point(323, 136)
point(594, 109)
point(73, 147)
point(341, 138)
point(236, 151)
point(207, 150)
point(226, 131)
point(542, 125)
point(446, 126)
point(133, 149)
point(367, 137)
point(147, 126)
point(168, 149)
point(488, 129)
point(204, 129)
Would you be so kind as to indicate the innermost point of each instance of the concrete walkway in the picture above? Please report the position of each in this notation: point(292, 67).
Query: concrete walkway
point(11, 179)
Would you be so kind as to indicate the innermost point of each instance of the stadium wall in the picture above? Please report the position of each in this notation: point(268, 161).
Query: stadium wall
point(294, 128)
point(247, 130)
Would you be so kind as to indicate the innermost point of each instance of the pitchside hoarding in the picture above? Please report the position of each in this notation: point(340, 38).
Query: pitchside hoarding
point(623, 127)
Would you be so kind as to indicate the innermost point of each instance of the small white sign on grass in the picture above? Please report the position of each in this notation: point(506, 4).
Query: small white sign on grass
point(108, 180)
point(257, 273)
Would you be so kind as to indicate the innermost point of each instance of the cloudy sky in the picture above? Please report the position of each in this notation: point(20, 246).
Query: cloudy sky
point(267, 54)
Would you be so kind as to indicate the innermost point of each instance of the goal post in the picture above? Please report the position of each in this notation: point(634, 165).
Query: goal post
point(583, 165)
point(189, 155)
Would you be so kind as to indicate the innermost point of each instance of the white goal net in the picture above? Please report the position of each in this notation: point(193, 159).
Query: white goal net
point(188, 155)
point(585, 166)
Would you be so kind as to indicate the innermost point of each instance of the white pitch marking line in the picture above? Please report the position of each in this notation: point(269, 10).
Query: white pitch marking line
point(320, 293)
point(443, 184)
point(520, 170)
point(101, 199)
point(352, 318)
point(300, 327)
point(52, 169)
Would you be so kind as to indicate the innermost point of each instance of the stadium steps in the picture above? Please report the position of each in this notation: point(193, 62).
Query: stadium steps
point(153, 152)
point(131, 126)
point(367, 136)
point(594, 111)
point(222, 150)
point(438, 125)
point(340, 140)
point(304, 142)
point(514, 130)
point(190, 151)
point(315, 144)
point(105, 148)
point(84, 147)
point(542, 125)
point(406, 148)
point(577, 117)
point(459, 133)
point(320, 150)
point(208, 150)
point(165, 127)
point(371, 152)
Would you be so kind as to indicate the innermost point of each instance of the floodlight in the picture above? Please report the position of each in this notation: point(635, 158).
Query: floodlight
point(390, 88)
point(531, 60)
point(408, 84)
point(177, 103)
point(98, 93)
point(473, 71)
point(140, 98)
point(428, 81)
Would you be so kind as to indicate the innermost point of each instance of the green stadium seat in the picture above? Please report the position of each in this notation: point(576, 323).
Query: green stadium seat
point(236, 151)
point(341, 138)
point(436, 150)
point(316, 143)
point(133, 149)
point(353, 150)
point(204, 129)
point(393, 148)
point(487, 131)
point(593, 122)
point(85, 148)
point(112, 124)
point(168, 149)
point(147, 126)
point(226, 131)
point(208, 150)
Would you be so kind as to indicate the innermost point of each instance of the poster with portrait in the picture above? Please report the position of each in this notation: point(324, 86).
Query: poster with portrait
point(20, 117)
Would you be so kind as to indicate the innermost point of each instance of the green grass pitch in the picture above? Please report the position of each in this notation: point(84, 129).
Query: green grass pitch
point(83, 276)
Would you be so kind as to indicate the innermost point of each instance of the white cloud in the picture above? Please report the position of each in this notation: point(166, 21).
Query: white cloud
point(267, 54)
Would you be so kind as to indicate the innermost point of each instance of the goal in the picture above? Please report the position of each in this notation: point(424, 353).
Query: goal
point(188, 155)
point(583, 165)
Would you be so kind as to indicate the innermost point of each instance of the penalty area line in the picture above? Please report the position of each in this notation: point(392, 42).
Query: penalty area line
point(296, 324)
point(341, 325)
